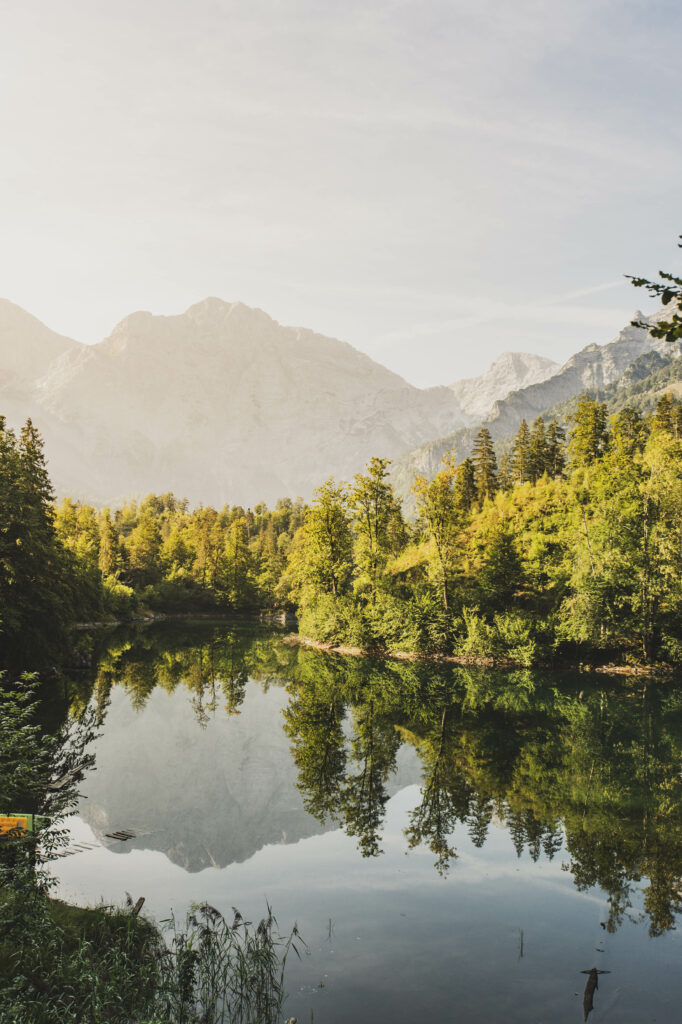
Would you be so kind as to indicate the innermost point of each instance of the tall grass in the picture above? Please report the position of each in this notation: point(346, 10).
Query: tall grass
point(107, 966)
point(218, 973)
point(64, 965)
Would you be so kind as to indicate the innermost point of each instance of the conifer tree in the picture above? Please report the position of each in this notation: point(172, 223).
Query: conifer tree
point(628, 432)
point(538, 450)
point(521, 455)
point(556, 449)
point(109, 559)
point(485, 465)
point(505, 472)
point(589, 436)
point(326, 554)
point(465, 485)
point(144, 547)
point(239, 563)
point(37, 582)
point(668, 416)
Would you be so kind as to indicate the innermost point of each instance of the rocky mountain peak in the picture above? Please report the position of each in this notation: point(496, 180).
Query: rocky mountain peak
point(509, 372)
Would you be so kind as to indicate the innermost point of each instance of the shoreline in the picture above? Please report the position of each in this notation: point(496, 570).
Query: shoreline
point(283, 618)
point(287, 618)
point(296, 640)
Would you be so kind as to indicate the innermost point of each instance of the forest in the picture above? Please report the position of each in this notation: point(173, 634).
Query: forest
point(567, 546)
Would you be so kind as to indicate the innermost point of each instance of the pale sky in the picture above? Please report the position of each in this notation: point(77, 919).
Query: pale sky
point(434, 182)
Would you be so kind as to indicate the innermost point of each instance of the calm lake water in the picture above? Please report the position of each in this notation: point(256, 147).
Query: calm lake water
point(455, 845)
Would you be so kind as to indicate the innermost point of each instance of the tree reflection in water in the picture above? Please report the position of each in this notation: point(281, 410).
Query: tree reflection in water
point(575, 765)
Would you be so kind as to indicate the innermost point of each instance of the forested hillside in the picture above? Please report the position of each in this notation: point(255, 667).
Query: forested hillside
point(564, 547)
point(594, 370)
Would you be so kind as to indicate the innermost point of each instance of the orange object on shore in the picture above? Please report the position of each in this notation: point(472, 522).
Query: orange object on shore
point(8, 823)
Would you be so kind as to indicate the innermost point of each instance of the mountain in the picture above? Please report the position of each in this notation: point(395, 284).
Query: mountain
point(26, 345)
point(221, 404)
point(511, 371)
point(218, 404)
point(593, 369)
point(652, 375)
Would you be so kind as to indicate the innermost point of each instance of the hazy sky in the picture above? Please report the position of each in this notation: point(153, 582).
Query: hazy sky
point(435, 182)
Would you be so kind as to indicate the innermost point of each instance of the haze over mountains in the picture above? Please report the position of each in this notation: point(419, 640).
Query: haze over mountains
point(221, 404)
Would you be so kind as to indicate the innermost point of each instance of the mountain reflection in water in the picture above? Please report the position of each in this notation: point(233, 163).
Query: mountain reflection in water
point(281, 743)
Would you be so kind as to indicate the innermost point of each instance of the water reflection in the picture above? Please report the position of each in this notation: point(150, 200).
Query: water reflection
point(581, 768)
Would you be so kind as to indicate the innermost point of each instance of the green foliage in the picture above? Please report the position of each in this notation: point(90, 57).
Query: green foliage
point(669, 290)
point(589, 436)
point(465, 485)
point(323, 556)
point(379, 529)
point(591, 551)
point(514, 634)
point(441, 515)
point(119, 600)
point(40, 585)
point(478, 640)
point(428, 627)
point(484, 463)
point(335, 620)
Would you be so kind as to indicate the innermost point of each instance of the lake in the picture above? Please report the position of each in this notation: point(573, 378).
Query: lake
point(455, 844)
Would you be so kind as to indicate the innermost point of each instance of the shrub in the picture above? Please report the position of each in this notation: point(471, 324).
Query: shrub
point(429, 628)
point(479, 639)
point(510, 635)
point(333, 620)
point(515, 637)
point(119, 600)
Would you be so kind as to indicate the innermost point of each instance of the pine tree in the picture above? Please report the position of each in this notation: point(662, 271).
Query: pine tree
point(590, 435)
point(109, 561)
point(505, 473)
point(668, 416)
point(38, 586)
point(538, 450)
point(628, 431)
point(465, 485)
point(485, 465)
point(239, 563)
point(521, 456)
point(144, 548)
point(555, 449)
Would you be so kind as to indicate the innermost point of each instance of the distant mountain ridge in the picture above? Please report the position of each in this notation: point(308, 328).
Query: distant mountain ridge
point(510, 372)
point(218, 404)
point(594, 369)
